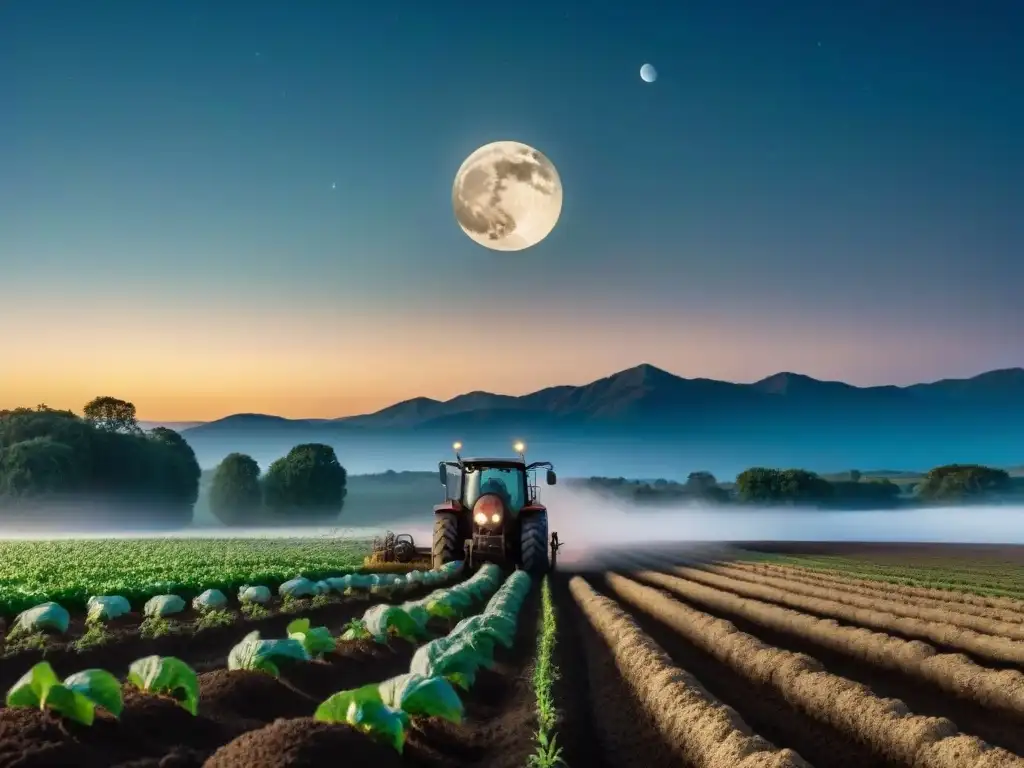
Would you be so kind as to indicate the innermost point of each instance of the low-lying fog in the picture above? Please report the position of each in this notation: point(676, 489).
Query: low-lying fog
point(588, 522)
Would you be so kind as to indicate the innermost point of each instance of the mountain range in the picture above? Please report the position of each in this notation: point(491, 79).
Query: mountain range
point(786, 418)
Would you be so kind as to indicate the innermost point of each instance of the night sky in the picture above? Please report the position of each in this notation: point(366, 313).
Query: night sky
point(830, 188)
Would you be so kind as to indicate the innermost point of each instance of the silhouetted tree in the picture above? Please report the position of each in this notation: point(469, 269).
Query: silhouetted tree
point(855, 475)
point(235, 493)
point(307, 483)
point(48, 455)
point(111, 414)
point(963, 481)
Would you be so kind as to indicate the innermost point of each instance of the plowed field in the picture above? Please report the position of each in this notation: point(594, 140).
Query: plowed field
point(721, 663)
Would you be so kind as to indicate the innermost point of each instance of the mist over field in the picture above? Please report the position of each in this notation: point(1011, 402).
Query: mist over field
point(591, 524)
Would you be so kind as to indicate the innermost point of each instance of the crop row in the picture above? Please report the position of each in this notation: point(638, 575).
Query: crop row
point(706, 733)
point(932, 578)
point(54, 618)
point(69, 571)
point(383, 710)
point(935, 629)
point(944, 614)
point(893, 734)
point(78, 695)
point(932, 599)
point(953, 673)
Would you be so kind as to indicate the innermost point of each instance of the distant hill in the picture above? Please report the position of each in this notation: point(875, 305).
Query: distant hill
point(786, 419)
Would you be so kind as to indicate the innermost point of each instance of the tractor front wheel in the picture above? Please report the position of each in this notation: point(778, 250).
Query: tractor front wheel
point(446, 539)
point(533, 540)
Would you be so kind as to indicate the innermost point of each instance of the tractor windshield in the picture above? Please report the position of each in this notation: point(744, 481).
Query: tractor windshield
point(507, 482)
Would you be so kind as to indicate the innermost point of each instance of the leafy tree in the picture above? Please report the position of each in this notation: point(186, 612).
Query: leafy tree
point(235, 493)
point(308, 482)
point(40, 466)
point(179, 468)
point(759, 484)
point(962, 482)
point(49, 456)
point(763, 485)
point(111, 415)
point(701, 482)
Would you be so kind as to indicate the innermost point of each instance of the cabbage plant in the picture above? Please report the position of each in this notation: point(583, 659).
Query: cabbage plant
point(76, 698)
point(265, 655)
point(383, 710)
point(166, 674)
point(316, 640)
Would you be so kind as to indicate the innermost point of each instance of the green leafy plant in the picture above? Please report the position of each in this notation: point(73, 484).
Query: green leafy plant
point(214, 617)
point(76, 698)
point(383, 620)
point(265, 655)
point(356, 630)
point(383, 710)
point(95, 635)
point(166, 674)
point(316, 640)
point(23, 640)
point(320, 601)
point(292, 604)
point(155, 626)
point(547, 753)
point(254, 611)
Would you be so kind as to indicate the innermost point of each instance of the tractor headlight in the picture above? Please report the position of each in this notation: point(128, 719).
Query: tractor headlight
point(480, 518)
point(496, 518)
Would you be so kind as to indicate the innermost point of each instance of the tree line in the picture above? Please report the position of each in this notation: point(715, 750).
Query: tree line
point(102, 467)
point(951, 483)
point(53, 461)
point(306, 486)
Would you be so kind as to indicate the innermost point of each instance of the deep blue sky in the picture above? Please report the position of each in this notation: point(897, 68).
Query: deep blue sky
point(836, 189)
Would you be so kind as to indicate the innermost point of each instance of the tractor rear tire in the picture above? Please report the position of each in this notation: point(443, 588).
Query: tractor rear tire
point(533, 542)
point(446, 539)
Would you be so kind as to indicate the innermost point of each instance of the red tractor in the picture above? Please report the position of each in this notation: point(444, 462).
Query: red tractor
point(491, 513)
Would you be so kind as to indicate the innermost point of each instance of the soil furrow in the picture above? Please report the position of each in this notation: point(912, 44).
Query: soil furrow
point(874, 729)
point(982, 702)
point(762, 708)
point(697, 729)
point(991, 649)
point(933, 598)
point(573, 690)
point(909, 607)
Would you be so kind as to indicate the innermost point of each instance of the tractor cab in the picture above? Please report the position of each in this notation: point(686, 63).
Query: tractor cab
point(491, 511)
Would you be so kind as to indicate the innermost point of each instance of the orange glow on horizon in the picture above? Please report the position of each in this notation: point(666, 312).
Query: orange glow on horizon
point(191, 366)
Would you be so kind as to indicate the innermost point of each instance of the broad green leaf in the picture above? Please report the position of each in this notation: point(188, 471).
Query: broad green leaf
point(457, 660)
point(297, 626)
point(422, 696)
point(100, 687)
point(381, 722)
point(70, 704)
point(381, 618)
point(166, 674)
point(316, 640)
point(336, 707)
point(256, 654)
point(31, 688)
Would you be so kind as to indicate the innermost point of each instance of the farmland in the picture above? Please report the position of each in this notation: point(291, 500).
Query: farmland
point(877, 656)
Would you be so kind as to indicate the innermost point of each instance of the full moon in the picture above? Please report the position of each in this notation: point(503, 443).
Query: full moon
point(507, 196)
point(648, 73)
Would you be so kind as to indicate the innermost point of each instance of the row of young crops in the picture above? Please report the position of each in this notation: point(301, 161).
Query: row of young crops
point(764, 664)
point(481, 615)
